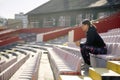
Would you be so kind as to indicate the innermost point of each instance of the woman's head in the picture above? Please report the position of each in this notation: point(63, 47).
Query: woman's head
point(85, 25)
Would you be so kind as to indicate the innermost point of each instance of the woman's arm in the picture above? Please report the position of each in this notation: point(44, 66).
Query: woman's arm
point(77, 43)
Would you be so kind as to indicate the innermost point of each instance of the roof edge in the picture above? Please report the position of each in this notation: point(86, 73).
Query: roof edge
point(38, 7)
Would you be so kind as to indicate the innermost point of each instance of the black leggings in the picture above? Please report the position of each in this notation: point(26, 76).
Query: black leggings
point(85, 50)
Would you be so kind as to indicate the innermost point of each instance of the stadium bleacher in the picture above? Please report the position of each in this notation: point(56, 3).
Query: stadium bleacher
point(9, 66)
point(64, 63)
point(65, 60)
point(113, 47)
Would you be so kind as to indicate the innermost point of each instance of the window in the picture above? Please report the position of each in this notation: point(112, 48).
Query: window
point(49, 21)
point(64, 21)
point(79, 19)
point(104, 14)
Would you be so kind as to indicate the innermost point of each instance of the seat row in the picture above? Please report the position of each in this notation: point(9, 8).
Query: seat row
point(111, 39)
point(9, 71)
point(111, 32)
point(108, 39)
point(113, 53)
point(72, 50)
point(111, 72)
point(113, 50)
point(115, 30)
point(5, 65)
point(63, 62)
point(31, 70)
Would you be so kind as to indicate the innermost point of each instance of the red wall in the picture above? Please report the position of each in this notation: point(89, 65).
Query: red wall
point(8, 37)
point(108, 23)
point(39, 30)
point(8, 41)
point(55, 34)
point(8, 33)
point(11, 36)
point(2, 29)
point(78, 33)
point(103, 25)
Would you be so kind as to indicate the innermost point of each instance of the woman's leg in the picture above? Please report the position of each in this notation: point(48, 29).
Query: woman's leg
point(94, 50)
point(85, 54)
point(85, 50)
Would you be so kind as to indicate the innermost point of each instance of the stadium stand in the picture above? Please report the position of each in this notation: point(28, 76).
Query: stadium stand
point(7, 64)
point(104, 67)
point(72, 50)
point(7, 31)
point(9, 71)
point(29, 35)
point(65, 61)
point(30, 72)
point(52, 34)
point(8, 37)
point(106, 73)
point(9, 40)
point(112, 40)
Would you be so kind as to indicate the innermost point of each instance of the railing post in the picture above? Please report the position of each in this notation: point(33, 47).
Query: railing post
point(71, 36)
point(40, 38)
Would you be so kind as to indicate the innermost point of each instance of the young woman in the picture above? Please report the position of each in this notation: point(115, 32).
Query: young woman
point(94, 43)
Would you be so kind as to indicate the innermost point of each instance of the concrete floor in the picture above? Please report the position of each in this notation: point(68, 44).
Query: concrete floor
point(45, 72)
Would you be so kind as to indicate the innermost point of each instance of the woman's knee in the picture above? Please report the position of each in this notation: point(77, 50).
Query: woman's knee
point(100, 51)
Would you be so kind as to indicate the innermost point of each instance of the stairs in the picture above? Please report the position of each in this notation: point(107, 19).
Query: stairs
point(111, 72)
point(103, 74)
point(73, 77)
point(114, 65)
point(70, 77)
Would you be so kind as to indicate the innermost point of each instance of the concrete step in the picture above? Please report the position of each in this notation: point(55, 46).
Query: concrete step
point(103, 74)
point(73, 77)
point(70, 77)
point(87, 78)
point(45, 71)
point(114, 65)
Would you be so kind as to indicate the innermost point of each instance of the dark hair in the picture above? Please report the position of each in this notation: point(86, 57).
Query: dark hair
point(86, 22)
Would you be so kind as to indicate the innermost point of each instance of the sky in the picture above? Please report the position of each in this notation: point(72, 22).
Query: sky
point(8, 8)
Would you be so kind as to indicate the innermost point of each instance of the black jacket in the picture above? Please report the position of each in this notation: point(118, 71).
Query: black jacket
point(93, 38)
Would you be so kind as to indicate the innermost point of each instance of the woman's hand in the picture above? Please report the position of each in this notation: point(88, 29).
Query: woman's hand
point(77, 43)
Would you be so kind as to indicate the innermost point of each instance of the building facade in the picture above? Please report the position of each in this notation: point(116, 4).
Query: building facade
point(71, 12)
point(23, 18)
point(14, 24)
point(3, 22)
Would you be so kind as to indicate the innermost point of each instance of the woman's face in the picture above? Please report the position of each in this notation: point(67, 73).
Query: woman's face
point(84, 27)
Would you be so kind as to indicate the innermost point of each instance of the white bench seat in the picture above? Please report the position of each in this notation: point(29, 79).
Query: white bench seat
point(113, 53)
point(63, 62)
